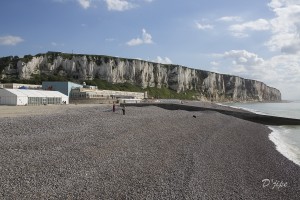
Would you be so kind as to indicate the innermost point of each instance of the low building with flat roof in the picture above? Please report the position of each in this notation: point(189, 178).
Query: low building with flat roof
point(20, 86)
point(22, 97)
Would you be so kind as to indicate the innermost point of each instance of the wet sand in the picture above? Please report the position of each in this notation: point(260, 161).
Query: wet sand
point(88, 152)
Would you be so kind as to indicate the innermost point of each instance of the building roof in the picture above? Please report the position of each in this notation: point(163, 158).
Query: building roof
point(35, 93)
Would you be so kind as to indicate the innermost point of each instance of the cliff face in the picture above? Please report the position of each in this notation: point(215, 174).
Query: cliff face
point(209, 85)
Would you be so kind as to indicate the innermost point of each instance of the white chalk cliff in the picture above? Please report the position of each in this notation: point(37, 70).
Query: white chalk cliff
point(209, 85)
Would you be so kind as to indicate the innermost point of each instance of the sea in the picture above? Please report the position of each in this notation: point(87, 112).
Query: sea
point(286, 138)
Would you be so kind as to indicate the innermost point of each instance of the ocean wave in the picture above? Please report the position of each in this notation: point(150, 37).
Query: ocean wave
point(284, 144)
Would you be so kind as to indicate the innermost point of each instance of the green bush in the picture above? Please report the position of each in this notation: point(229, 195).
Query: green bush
point(27, 58)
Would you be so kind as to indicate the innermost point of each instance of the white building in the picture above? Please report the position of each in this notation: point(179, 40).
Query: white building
point(18, 97)
point(91, 93)
point(19, 86)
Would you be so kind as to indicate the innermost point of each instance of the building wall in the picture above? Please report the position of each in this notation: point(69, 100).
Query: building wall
point(94, 93)
point(63, 87)
point(31, 97)
point(71, 86)
point(8, 98)
point(56, 86)
point(18, 85)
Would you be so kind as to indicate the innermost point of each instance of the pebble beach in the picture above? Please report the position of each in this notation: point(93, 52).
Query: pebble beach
point(89, 152)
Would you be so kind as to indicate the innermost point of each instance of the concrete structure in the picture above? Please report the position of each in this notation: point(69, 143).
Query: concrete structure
point(31, 97)
point(242, 114)
point(63, 87)
point(130, 100)
point(87, 94)
point(92, 94)
point(19, 86)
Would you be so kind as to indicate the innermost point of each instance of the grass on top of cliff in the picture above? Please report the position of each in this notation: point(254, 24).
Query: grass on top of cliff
point(162, 93)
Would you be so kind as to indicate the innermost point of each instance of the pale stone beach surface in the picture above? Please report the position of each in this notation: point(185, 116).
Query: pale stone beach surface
point(89, 152)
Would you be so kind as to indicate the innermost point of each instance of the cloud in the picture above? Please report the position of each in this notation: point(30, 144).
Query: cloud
point(204, 26)
point(238, 30)
point(84, 3)
point(285, 26)
point(230, 19)
point(165, 60)
point(146, 39)
point(244, 58)
point(281, 71)
point(119, 5)
point(10, 40)
point(215, 63)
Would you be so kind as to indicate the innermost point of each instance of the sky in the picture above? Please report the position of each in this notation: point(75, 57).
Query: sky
point(257, 39)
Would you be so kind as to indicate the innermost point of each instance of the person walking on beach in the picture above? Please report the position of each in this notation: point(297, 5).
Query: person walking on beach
point(123, 109)
point(114, 107)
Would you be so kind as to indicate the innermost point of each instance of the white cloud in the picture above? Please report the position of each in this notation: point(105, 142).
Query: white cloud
point(285, 26)
point(146, 39)
point(238, 30)
point(204, 26)
point(164, 60)
point(243, 57)
point(84, 3)
point(230, 19)
point(135, 42)
point(119, 5)
point(281, 71)
point(215, 63)
point(10, 40)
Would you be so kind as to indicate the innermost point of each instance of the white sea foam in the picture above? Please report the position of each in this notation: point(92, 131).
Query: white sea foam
point(283, 145)
point(286, 138)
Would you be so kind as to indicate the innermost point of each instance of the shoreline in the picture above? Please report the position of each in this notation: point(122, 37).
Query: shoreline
point(283, 147)
point(276, 136)
point(89, 152)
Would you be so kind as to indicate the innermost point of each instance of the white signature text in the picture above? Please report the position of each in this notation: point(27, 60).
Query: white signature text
point(274, 184)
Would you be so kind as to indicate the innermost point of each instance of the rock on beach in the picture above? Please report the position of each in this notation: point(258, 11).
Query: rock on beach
point(89, 152)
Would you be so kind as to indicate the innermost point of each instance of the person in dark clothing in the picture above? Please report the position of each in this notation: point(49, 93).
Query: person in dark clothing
point(123, 109)
point(114, 107)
